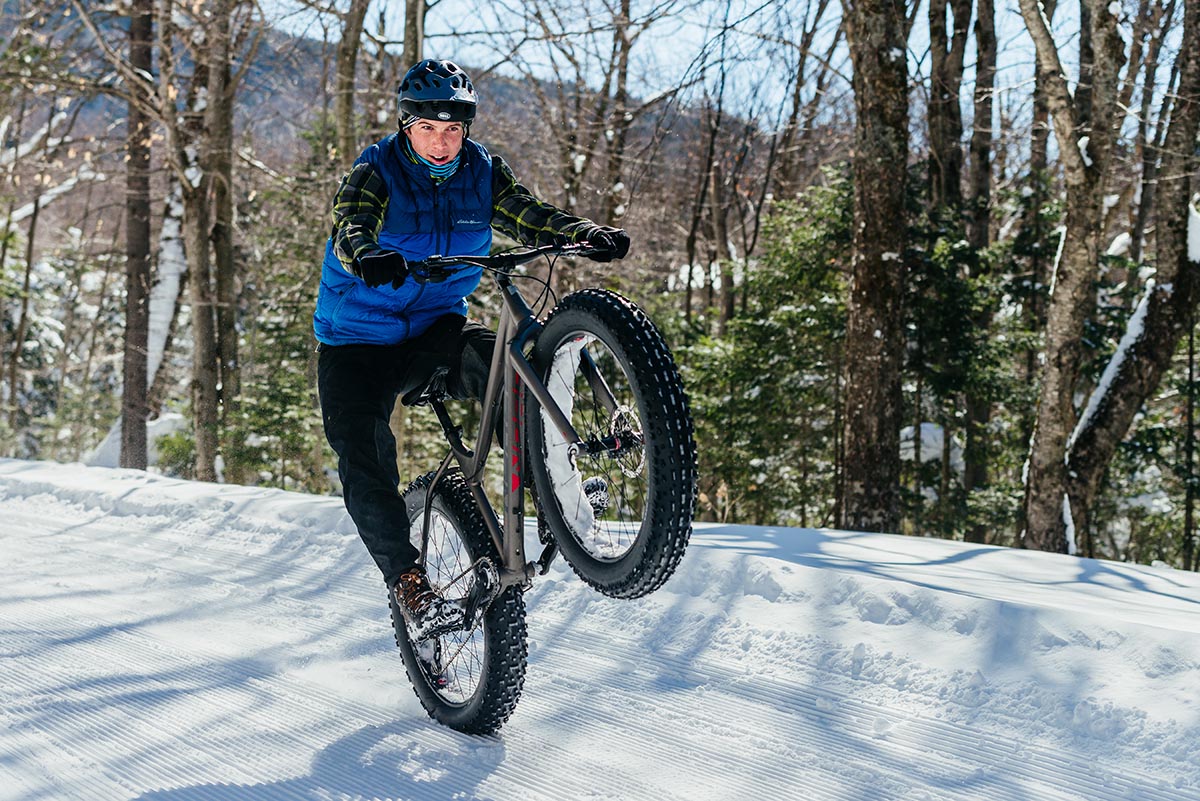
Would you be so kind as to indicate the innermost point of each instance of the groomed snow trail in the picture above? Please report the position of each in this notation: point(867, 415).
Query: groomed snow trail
point(164, 640)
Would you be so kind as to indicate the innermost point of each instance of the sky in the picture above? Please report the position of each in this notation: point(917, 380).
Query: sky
point(169, 640)
point(670, 53)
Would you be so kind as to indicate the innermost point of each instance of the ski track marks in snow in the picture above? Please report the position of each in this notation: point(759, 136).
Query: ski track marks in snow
point(184, 642)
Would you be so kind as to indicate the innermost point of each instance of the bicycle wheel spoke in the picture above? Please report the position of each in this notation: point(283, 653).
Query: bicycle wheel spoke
point(609, 532)
point(449, 566)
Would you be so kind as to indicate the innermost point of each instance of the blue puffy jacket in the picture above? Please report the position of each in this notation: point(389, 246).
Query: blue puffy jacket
point(421, 219)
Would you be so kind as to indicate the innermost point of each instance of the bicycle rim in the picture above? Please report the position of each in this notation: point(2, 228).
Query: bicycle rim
point(602, 489)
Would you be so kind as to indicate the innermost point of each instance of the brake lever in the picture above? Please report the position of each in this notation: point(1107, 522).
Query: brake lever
point(431, 274)
point(582, 249)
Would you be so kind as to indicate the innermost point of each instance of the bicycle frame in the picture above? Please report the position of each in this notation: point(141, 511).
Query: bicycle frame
point(518, 327)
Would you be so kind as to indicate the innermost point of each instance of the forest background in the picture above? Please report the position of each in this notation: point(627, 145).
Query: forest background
point(925, 268)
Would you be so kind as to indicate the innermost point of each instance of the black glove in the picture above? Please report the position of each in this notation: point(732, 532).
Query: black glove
point(610, 243)
point(382, 267)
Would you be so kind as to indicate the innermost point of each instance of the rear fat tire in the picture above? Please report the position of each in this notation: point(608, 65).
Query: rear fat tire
point(670, 458)
point(503, 648)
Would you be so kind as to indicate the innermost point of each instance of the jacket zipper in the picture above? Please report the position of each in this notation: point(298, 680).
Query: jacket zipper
point(441, 213)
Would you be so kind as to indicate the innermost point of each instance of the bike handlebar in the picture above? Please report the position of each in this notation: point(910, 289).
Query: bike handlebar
point(436, 269)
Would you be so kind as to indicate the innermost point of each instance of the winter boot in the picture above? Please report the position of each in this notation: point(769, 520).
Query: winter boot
point(426, 613)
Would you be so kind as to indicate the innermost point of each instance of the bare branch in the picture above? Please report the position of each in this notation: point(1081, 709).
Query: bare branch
point(142, 84)
point(1062, 105)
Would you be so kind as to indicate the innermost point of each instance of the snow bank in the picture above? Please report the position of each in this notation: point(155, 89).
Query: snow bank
point(179, 641)
point(108, 452)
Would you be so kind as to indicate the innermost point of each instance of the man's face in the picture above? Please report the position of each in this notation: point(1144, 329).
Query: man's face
point(436, 141)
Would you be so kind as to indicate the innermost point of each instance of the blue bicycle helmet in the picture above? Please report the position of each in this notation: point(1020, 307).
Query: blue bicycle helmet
point(436, 90)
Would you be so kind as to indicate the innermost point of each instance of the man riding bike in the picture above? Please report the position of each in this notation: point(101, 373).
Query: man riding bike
point(426, 189)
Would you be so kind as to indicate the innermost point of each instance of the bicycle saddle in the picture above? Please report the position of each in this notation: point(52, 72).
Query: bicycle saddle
point(432, 388)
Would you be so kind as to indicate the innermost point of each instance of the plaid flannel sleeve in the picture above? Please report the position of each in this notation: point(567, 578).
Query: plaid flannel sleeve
point(358, 208)
point(519, 215)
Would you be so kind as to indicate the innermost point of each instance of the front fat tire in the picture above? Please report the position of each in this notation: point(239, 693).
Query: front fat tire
point(670, 459)
point(502, 645)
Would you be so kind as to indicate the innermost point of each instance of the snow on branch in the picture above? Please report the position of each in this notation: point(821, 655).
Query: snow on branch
point(1062, 238)
point(1062, 101)
point(1133, 333)
point(40, 138)
point(1193, 234)
point(246, 155)
point(168, 282)
point(46, 198)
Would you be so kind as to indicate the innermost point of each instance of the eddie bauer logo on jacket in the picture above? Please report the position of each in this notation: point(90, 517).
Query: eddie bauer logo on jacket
point(468, 222)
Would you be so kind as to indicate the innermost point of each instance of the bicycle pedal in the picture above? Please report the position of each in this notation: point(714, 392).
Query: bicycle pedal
point(438, 628)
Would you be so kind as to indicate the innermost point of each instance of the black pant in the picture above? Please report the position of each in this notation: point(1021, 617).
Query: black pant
point(358, 386)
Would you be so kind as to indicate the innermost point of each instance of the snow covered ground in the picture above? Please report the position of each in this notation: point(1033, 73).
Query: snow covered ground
point(161, 639)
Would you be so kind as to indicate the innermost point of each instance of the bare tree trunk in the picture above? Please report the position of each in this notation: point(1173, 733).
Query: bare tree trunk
point(1145, 144)
point(1189, 453)
point(980, 177)
point(947, 49)
point(945, 509)
point(414, 31)
point(874, 331)
point(703, 184)
point(1033, 223)
point(204, 338)
point(197, 245)
point(199, 151)
point(134, 408)
point(1166, 310)
point(218, 165)
point(22, 325)
point(5, 237)
point(615, 193)
point(344, 81)
point(918, 511)
point(718, 211)
point(978, 407)
point(1084, 125)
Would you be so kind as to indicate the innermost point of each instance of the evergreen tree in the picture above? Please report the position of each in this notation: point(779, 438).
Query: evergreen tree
point(765, 396)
